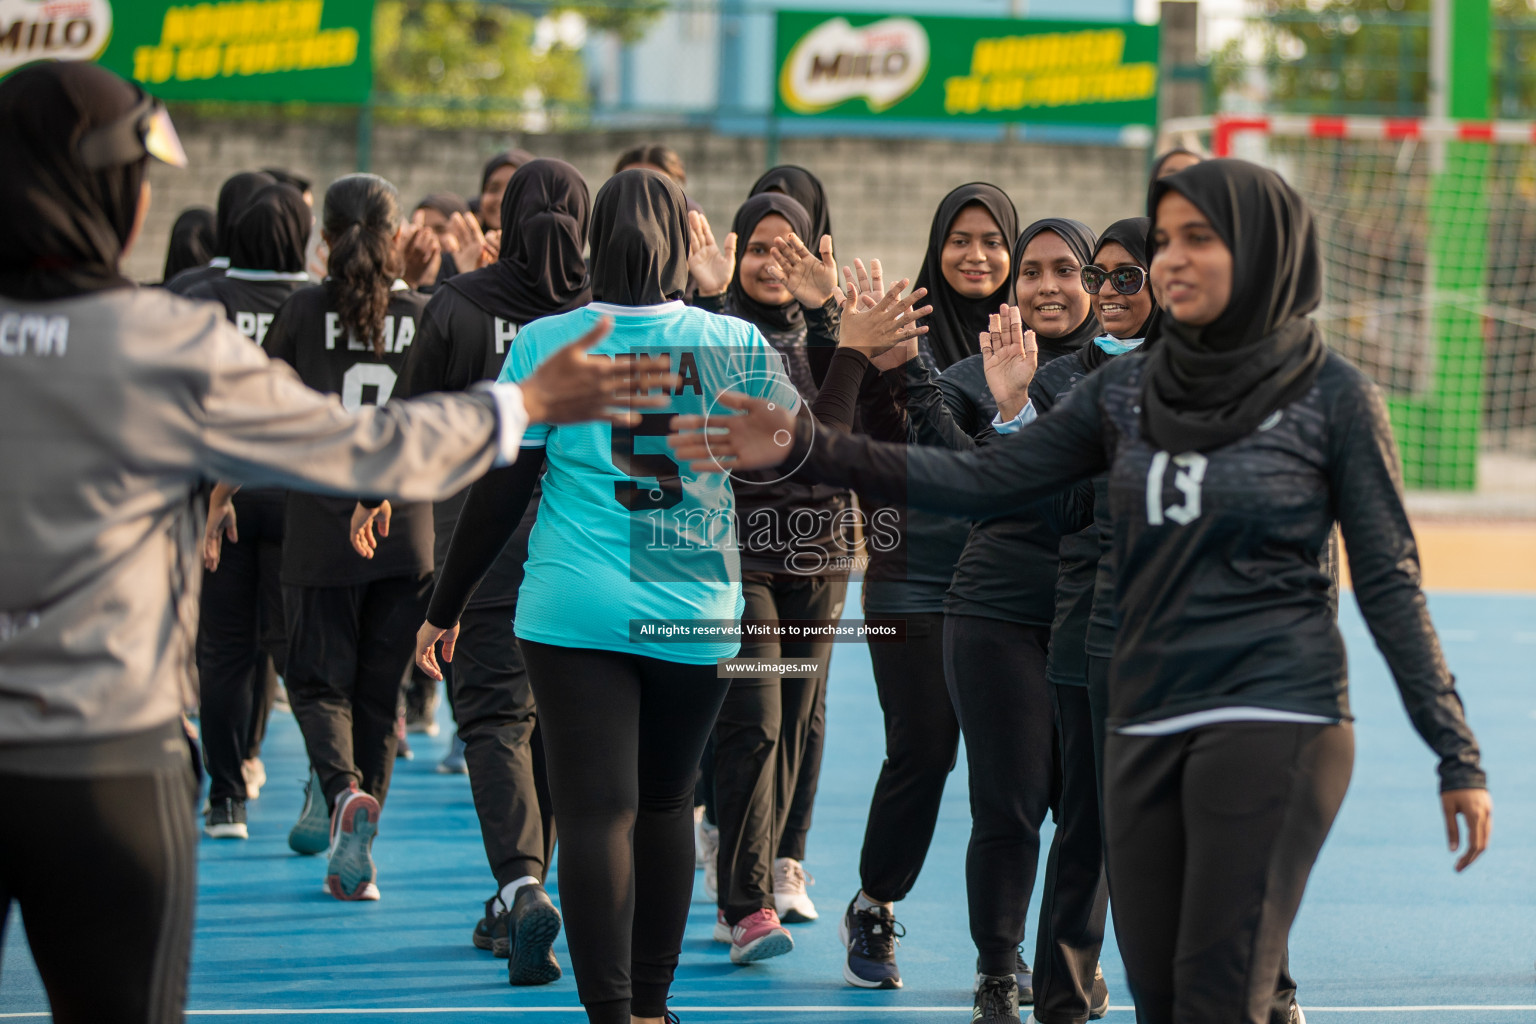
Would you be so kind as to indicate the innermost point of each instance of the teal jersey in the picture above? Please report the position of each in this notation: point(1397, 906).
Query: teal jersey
point(628, 545)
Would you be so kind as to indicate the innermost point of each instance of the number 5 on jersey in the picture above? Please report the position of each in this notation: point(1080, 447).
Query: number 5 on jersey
point(668, 490)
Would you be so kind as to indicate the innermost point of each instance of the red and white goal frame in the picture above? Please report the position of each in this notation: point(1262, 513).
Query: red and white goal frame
point(1222, 129)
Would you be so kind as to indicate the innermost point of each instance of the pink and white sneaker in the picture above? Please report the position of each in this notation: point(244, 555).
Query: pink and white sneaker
point(759, 936)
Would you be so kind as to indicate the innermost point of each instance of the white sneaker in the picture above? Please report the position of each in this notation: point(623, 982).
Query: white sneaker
point(255, 775)
point(789, 897)
point(722, 932)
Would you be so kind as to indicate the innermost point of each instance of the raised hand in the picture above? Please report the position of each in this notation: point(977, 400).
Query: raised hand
point(810, 280)
point(364, 519)
point(868, 282)
point(420, 250)
point(1009, 356)
point(464, 242)
point(490, 249)
point(573, 387)
point(711, 266)
point(891, 323)
point(759, 436)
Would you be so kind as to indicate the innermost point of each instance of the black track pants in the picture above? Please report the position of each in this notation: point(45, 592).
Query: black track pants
point(996, 676)
point(348, 651)
point(622, 736)
point(240, 633)
point(761, 740)
point(1098, 700)
point(922, 738)
point(799, 799)
point(1076, 899)
point(494, 707)
point(106, 881)
point(1211, 836)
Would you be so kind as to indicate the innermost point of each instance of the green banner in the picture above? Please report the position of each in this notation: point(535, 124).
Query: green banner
point(271, 50)
point(970, 69)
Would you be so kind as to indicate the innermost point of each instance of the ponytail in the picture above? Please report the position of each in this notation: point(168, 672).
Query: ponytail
point(362, 214)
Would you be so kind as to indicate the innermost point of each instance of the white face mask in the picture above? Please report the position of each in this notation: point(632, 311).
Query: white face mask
point(1117, 346)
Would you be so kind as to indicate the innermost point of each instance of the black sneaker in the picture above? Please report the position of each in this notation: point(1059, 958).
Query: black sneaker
point(226, 820)
point(997, 999)
point(870, 936)
point(1100, 995)
point(532, 924)
point(491, 930)
point(1025, 978)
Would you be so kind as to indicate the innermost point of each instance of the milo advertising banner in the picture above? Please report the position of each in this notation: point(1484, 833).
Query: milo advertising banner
point(273, 50)
point(976, 69)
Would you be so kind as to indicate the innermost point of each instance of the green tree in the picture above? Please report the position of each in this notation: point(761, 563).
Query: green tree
point(1363, 57)
point(456, 62)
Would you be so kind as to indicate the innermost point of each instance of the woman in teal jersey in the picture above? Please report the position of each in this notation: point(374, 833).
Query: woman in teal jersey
point(631, 595)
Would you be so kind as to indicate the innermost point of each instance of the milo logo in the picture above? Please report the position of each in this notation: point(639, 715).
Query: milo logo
point(52, 30)
point(882, 62)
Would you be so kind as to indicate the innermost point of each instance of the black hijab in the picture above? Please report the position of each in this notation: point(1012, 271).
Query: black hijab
point(541, 271)
point(1079, 238)
point(787, 317)
point(236, 191)
point(65, 224)
point(1130, 233)
point(272, 232)
point(804, 188)
point(1208, 386)
point(956, 323)
point(191, 241)
point(516, 158)
point(1157, 168)
point(639, 239)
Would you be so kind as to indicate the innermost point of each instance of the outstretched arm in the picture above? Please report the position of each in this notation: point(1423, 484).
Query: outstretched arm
point(1054, 451)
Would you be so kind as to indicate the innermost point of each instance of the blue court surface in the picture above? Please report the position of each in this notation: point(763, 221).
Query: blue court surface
point(1387, 933)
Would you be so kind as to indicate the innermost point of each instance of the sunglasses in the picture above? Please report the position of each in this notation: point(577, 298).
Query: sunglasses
point(1125, 280)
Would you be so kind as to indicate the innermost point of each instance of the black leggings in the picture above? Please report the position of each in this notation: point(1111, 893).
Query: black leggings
point(996, 676)
point(623, 735)
point(239, 637)
point(111, 858)
point(1075, 900)
point(503, 747)
point(1211, 835)
point(922, 738)
point(348, 652)
point(762, 738)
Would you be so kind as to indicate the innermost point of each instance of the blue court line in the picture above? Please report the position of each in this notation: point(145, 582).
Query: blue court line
point(1387, 933)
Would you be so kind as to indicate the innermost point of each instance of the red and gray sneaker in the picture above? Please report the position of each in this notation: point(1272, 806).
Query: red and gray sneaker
point(350, 872)
point(759, 936)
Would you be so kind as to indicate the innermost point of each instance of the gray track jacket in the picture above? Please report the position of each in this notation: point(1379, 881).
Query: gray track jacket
point(114, 408)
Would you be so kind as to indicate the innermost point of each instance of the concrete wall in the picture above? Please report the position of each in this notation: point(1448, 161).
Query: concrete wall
point(883, 191)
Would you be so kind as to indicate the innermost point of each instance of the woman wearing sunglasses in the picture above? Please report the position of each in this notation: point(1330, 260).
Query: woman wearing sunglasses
point(1068, 984)
point(1233, 448)
point(998, 615)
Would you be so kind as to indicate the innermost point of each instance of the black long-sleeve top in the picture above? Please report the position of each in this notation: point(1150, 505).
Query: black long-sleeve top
point(1078, 548)
point(460, 344)
point(913, 551)
point(788, 525)
point(1223, 596)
